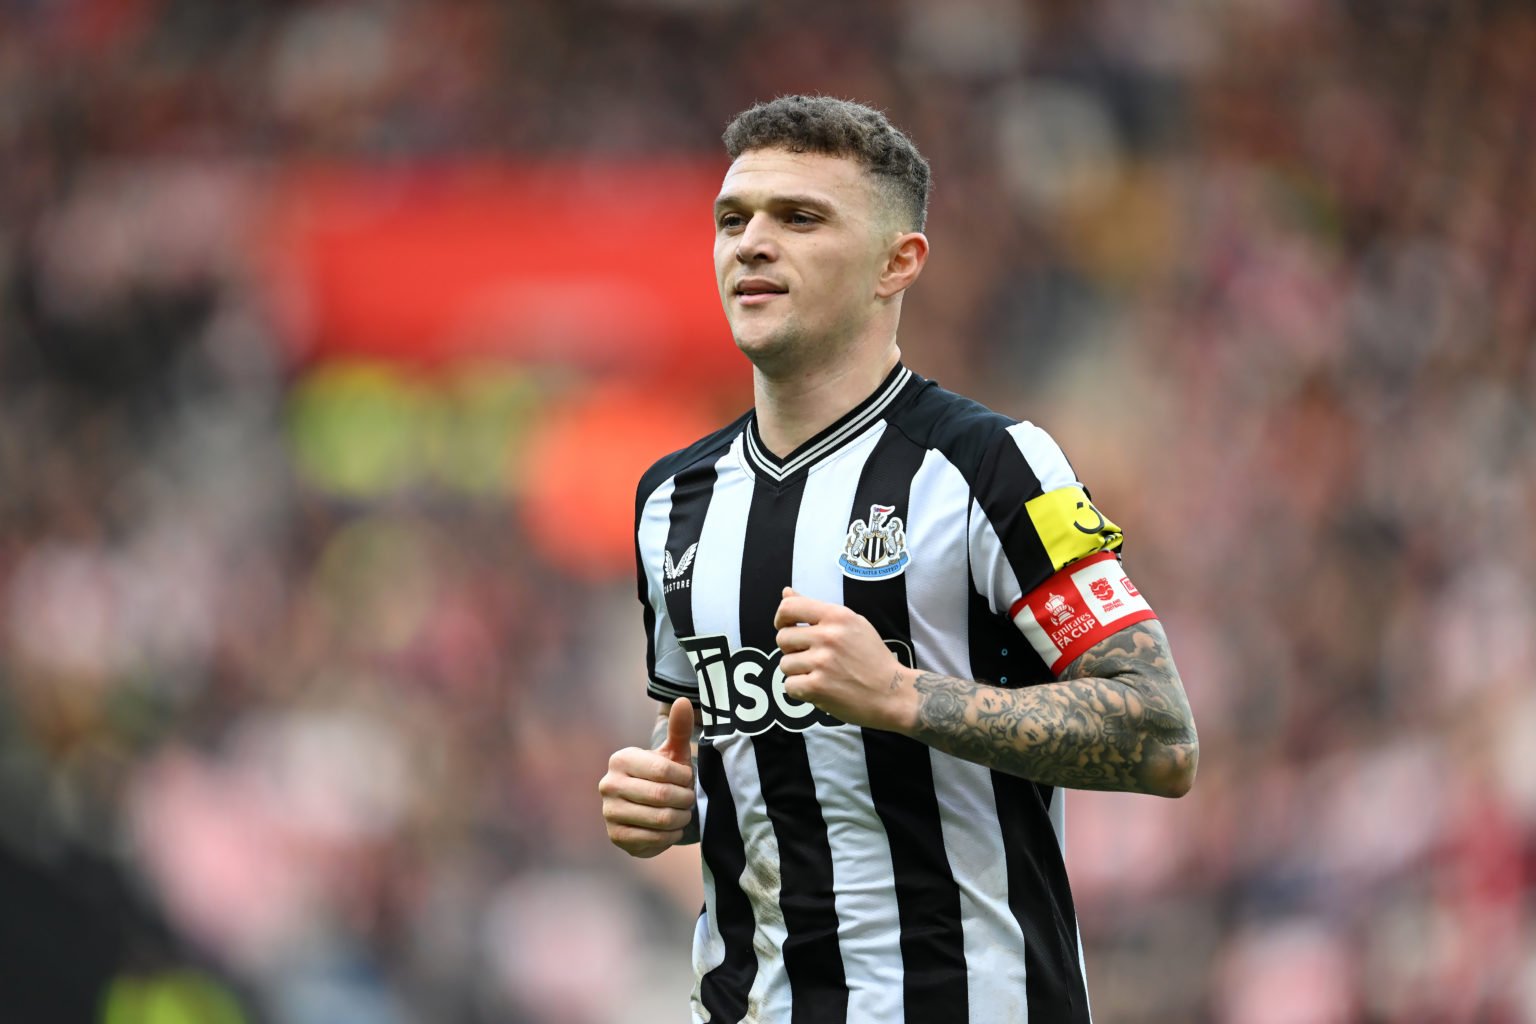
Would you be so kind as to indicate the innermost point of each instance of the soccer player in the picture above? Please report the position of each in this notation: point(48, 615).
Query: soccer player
point(888, 627)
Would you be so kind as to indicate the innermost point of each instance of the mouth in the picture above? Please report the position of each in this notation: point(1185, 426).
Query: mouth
point(755, 291)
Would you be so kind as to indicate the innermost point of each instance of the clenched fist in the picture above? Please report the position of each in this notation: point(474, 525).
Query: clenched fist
point(834, 659)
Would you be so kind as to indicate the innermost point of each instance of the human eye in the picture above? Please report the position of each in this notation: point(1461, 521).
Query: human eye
point(801, 219)
point(729, 220)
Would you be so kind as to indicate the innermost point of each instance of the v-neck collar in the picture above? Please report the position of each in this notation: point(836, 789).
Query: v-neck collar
point(844, 430)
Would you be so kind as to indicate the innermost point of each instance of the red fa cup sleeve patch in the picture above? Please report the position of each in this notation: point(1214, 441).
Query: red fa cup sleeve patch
point(1082, 604)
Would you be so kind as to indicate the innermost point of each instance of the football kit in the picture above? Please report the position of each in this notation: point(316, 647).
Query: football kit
point(856, 875)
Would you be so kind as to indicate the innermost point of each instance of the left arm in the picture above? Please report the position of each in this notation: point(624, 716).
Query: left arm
point(1116, 720)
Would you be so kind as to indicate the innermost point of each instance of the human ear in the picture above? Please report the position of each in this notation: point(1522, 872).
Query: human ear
point(904, 261)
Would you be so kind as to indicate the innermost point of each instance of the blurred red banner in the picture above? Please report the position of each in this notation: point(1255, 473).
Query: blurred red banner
point(606, 266)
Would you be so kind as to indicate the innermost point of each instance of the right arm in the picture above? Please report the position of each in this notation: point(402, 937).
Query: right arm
point(648, 798)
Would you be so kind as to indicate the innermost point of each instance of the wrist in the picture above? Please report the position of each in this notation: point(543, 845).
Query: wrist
point(907, 701)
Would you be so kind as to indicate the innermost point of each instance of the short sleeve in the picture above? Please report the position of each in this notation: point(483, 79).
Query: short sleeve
point(667, 667)
point(1042, 553)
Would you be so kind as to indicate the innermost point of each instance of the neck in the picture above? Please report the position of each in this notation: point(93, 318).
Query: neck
point(794, 407)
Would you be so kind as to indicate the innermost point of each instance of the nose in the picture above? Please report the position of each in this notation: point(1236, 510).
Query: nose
point(755, 243)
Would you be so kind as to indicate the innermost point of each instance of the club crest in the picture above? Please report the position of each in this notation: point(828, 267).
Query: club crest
point(875, 549)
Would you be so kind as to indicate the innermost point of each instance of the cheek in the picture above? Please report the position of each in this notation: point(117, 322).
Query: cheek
point(845, 288)
point(722, 261)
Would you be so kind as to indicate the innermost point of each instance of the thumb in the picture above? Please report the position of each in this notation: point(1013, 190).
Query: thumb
point(679, 744)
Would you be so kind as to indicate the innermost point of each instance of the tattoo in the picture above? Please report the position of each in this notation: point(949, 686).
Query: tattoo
point(1118, 719)
point(895, 680)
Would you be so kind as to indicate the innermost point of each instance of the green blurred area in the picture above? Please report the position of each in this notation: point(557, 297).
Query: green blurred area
point(368, 430)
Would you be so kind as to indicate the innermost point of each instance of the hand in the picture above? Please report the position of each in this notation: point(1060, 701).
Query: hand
point(834, 659)
point(648, 794)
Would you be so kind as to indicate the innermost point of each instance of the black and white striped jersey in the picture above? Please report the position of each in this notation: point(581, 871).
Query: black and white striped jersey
point(854, 875)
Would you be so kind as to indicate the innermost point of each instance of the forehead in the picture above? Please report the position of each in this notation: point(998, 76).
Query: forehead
point(759, 175)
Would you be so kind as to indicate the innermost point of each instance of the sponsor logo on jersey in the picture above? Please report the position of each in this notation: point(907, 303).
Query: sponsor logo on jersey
point(742, 690)
point(675, 574)
point(876, 549)
point(1070, 526)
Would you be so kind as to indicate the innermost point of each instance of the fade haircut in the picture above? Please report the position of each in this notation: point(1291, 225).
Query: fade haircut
point(841, 128)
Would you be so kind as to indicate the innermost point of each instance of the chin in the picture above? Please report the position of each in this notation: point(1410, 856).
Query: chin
point(766, 350)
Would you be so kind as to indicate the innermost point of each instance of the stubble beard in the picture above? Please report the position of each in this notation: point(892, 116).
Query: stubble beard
point(779, 352)
point(788, 349)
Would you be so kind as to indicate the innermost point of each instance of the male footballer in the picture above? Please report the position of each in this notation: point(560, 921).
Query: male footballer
point(888, 627)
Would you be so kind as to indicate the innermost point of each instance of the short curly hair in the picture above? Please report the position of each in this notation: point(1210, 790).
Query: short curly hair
point(842, 128)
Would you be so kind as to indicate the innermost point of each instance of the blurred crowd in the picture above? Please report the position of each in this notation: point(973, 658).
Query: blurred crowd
point(276, 745)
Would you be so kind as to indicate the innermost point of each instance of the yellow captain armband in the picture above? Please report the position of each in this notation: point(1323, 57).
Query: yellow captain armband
point(1070, 526)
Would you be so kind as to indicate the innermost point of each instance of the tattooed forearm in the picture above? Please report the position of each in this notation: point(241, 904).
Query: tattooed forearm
point(1117, 720)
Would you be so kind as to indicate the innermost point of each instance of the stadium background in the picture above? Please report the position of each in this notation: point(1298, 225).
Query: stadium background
point(332, 335)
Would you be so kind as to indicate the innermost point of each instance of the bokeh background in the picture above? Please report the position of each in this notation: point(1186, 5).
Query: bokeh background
point(333, 336)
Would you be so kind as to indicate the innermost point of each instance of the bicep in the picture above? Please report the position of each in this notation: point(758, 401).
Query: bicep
point(1138, 657)
point(1140, 649)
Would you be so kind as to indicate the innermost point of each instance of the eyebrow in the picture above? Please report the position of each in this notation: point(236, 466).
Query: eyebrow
point(729, 200)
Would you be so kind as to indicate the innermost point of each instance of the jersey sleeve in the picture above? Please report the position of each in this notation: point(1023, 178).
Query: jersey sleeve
point(1042, 554)
point(668, 670)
